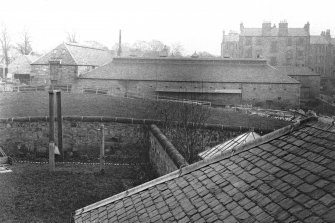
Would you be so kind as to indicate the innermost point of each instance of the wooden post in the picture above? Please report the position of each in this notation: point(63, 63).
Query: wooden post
point(51, 132)
point(51, 156)
point(102, 149)
point(60, 123)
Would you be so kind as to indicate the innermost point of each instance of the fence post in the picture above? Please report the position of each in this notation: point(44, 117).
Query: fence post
point(102, 149)
point(51, 132)
point(60, 122)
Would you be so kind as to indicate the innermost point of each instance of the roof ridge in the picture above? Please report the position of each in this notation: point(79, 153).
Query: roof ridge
point(83, 46)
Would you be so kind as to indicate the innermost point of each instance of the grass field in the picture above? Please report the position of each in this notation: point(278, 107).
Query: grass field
point(36, 104)
point(32, 194)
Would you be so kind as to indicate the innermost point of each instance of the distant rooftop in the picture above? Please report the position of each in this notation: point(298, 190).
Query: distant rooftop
point(296, 71)
point(190, 69)
point(76, 54)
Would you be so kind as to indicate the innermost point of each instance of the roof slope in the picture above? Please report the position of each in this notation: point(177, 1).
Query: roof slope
point(286, 176)
point(21, 65)
point(318, 40)
point(274, 32)
point(296, 71)
point(189, 69)
point(229, 145)
point(75, 54)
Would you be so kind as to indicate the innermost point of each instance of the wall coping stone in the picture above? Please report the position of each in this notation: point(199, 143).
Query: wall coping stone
point(176, 157)
point(129, 121)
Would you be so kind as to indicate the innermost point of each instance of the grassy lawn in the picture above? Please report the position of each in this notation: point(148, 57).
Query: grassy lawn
point(32, 194)
point(36, 104)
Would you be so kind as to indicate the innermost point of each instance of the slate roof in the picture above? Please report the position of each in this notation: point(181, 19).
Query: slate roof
point(229, 145)
point(190, 69)
point(274, 32)
point(285, 176)
point(296, 71)
point(75, 54)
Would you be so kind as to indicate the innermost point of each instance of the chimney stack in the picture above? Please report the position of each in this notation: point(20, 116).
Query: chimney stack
point(266, 28)
point(306, 27)
point(241, 27)
point(119, 51)
point(283, 28)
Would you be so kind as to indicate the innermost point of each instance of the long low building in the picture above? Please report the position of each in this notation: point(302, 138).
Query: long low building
point(220, 81)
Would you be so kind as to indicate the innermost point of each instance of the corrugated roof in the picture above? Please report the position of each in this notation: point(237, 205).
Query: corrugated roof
point(229, 145)
point(190, 69)
point(285, 176)
point(274, 32)
point(75, 54)
point(296, 71)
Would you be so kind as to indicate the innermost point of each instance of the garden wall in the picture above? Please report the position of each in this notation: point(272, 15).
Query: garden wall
point(126, 140)
point(79, 139)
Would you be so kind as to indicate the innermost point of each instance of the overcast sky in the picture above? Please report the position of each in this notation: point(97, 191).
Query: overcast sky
point(197, 25)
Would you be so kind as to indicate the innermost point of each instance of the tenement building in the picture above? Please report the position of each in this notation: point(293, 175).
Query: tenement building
point(322, 55)
point(230, 45)
point(220, 81)
point(282, 46)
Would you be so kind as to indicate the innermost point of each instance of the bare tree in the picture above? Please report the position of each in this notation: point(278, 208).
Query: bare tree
point(177, 49)
point(205, 54)
point(5, 45)
point(72, 37)
point(24, 47)
point(183, 124)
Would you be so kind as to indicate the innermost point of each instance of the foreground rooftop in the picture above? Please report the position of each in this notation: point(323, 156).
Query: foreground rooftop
point(285, 176)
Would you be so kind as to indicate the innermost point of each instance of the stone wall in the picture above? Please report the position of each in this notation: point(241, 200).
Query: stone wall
point(251, 92)
point(126, 139)
point(310, 86)
point(81, 138)
point(287, 94)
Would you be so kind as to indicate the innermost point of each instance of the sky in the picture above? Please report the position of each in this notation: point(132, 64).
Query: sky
point(197, 25)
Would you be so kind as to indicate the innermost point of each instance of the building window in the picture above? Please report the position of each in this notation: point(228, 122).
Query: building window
point(259, 41)
point(301, 41)
point(274, 47)
point(273, 61)
point(248, 41)
point(289, 54)
point(289, 41)
point(300, 53)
